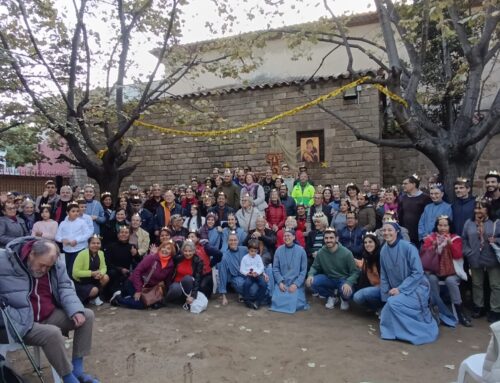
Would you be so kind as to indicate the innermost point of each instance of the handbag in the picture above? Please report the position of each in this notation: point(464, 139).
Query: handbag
point(430, 260)
point(493, 245)
point(154, 294)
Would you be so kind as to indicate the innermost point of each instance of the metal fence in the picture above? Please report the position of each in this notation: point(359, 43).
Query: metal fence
point(33, 185)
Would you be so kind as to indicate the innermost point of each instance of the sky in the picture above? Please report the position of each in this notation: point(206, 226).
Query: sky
point(198, 12)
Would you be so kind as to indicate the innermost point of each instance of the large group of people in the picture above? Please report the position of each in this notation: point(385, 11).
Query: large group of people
point(406, 254)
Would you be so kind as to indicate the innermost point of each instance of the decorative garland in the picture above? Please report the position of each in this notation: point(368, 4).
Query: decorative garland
point(255, 125)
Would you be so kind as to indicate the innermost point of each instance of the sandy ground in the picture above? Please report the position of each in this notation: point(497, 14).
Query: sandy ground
point(235, 344)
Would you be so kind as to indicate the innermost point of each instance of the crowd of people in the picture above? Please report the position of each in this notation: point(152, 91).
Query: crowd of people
point(405, 254)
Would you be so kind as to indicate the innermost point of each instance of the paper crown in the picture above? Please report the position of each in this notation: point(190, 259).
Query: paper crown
point(350, 184)
point(462, 180)
point(442, 216)
point(105, 194)
point(330, 230)
point(370, 233)
point(390, 219)
point(492, 173)
point(415, 176)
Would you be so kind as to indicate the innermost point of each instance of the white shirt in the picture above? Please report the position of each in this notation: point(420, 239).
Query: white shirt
point(254, 263)
point(77, 230)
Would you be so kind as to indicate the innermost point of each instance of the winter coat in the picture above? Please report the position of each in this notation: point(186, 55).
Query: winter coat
point(477, 256)
point(16, 284)
point(276, 215)
point(10, 230)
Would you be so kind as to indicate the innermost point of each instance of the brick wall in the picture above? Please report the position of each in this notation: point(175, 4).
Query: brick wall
point(172, 160)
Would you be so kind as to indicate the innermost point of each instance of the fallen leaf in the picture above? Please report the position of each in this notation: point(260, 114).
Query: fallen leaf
point(249, 315)
point(253, 358)
point(449, 366)
point(405, 353)
point(242, 328)
point(322, 365)
point(267, 331)
point(153, 314)
point(304, 349)
point(475, 347)
point(198, 331)
point(217, 306)
point(459, 341)
point(230, 325)
point(311, 364)
point(267, 372)
point(100, 330)
point(190, 354)
point(249, 330)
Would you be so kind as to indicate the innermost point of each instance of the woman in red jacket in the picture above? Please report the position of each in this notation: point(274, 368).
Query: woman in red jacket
point(156, 267)
point(290, 223)
point(275, 212)
point(439, 250)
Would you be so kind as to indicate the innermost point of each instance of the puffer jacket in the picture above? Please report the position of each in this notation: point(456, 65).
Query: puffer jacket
point(16, 285)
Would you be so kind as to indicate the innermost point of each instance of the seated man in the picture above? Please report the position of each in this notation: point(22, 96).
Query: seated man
point(289, 270)
point(51, 308)
point(333, 269)
point(229, 267)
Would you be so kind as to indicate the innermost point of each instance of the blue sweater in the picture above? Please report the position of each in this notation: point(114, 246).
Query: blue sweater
point(428, 218)
point(463, 209)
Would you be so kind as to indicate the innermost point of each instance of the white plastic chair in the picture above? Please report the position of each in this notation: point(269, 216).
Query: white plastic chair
point(472, 369)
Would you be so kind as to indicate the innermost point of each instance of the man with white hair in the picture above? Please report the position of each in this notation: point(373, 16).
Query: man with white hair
point(43, 305)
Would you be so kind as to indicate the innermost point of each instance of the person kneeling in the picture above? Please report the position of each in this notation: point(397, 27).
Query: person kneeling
point(43, 304)
point(333, 269)
point(89, 272)
point(289, 269)
point(252, 268)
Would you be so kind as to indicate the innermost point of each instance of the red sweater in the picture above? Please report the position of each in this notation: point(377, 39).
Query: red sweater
point(299, 237)
point(276, 215)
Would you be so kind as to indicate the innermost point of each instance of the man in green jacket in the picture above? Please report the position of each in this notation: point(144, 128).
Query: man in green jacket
point(303, 191)
point(333, 269)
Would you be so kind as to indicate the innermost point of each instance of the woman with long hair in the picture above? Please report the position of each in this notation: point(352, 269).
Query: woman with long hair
point(368, 287)
point(441, 248)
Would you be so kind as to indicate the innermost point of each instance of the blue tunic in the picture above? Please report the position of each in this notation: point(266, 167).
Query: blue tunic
point(95, 208)
point(229, 269)
point(289, 267)
point(225, 235)
point(428, 217)
point(405, 316)
point(214, 238)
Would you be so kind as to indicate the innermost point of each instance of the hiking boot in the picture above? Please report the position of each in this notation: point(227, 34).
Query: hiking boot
point(462, 318)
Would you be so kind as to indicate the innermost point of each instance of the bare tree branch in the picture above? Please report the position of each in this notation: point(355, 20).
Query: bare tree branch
point(394, 143)
point(39, 52)
point(341, 29)
point(10, 126)
point(323, 59)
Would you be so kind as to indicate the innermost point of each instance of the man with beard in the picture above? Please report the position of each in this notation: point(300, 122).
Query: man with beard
point(49, 196)
point(231, 191)
point(221, 210)
point(492, 181)
point(59, 208)
point(43, 304)
point(287, 201)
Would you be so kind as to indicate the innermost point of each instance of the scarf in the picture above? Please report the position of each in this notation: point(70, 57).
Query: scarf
point(164, 260)
point(480, 231)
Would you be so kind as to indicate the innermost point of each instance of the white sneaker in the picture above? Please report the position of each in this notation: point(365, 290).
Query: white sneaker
point(344, 305)
point(330, 303)
point(315, 294)
point(97, 301)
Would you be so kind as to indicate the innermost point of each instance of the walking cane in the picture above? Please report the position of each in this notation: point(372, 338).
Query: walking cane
point(18, 338)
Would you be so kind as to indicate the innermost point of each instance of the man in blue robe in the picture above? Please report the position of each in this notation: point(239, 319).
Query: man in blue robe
point(432, 211)
point(229, 267)
point(289, 270)
point(403, 286)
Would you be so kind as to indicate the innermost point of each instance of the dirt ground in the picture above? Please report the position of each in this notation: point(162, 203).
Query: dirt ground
point(235, 344)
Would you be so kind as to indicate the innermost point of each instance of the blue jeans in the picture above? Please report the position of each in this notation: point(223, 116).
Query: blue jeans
point(261, 292)
point(326, 287)
point(369, 297)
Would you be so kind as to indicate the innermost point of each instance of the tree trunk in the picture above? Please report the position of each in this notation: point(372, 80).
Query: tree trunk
point(110, 183)
point(450, 169)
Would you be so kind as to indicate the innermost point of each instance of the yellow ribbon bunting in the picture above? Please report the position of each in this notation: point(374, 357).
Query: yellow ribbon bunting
point(270, 120)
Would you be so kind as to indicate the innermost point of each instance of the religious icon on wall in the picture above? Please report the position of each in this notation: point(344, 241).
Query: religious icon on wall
point(311, 146)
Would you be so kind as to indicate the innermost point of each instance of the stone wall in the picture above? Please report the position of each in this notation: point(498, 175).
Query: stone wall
point(399, 163)
point(172, 160)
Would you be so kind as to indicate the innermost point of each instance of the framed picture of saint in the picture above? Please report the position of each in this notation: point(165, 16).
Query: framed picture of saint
point(311, 144)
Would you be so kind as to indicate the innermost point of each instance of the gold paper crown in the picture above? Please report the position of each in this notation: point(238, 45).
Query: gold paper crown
point(72, 204)
point(442, 216)
point(96, 236)
point(105, 194)
point(462, 180)
point(45, 205)
point(415, 175)
point(330, 230)
point(390, 212)
point(350, 184)
point(370, 233)
point(483, 200)
point(435, 185)
point(319, 214)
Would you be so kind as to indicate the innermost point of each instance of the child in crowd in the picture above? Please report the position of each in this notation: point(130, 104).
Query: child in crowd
point(252, 268)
